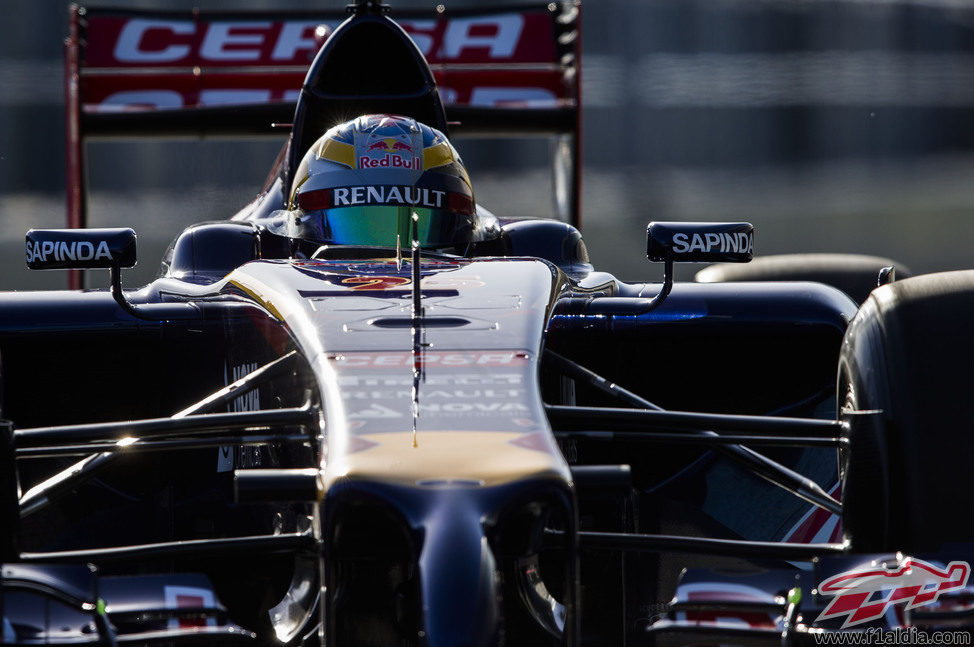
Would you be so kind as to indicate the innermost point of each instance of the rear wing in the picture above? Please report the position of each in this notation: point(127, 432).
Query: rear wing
point(506, 71)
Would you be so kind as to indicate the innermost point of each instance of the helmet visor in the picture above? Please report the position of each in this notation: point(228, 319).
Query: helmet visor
point(381, 226)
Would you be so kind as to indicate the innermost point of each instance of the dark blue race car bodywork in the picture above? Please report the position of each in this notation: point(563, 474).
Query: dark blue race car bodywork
point(494, 445)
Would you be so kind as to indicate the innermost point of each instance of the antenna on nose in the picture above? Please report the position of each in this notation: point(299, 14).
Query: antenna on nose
point(418, 312)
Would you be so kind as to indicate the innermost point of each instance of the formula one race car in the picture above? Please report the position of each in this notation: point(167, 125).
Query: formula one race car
point(446, 428)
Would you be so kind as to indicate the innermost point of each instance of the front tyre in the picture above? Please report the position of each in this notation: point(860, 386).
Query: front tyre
point(908, 472)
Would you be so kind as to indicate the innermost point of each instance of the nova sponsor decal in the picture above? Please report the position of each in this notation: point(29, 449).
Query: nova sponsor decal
point(724, 242)
point(379, 411)
point(371, 394)
point(403, 195)
point(61, 251)
point(243, 456)
point(474, 407)
point(866, 593)
point(249, 401)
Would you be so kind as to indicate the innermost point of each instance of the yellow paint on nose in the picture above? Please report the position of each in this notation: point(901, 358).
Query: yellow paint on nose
point(486, 456)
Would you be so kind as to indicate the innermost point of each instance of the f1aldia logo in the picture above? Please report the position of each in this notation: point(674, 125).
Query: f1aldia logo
point(865, 593)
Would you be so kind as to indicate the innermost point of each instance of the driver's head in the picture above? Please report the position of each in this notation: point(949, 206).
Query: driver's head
point(361, 183)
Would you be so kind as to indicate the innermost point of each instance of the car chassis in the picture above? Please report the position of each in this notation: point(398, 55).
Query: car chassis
point(434, 449)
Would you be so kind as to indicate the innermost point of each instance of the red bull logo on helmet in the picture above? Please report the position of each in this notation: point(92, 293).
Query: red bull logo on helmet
point(390, 161)
point(389, 144)
point(865, 593)
point(389, 152)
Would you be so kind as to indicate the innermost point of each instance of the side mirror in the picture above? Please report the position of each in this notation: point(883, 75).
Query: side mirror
point(82, 249)
point(700, 242)
point(669, 243)
point(695, 242)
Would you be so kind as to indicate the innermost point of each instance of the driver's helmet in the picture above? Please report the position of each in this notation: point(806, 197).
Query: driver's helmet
point(364, 180)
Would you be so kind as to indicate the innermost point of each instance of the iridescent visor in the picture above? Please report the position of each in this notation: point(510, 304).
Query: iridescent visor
point(379, 226)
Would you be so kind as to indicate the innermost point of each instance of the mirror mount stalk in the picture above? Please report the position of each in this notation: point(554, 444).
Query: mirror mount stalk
point(618, 306)
point(119, 296)
point(664, 290)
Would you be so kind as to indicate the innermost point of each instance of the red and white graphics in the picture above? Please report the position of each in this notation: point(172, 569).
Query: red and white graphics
point(173, 60)
point(727, 604)
point(198, 39)
point(818, 525)
point(866, 593)
point(190, 597)
point(386, 142)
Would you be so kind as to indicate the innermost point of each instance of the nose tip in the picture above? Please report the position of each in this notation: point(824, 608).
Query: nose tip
point(459, 582)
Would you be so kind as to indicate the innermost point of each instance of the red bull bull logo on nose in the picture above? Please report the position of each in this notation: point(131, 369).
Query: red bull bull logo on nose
point(865, 593)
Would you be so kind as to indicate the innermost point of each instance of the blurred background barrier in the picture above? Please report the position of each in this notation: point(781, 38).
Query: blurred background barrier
point(843, 126)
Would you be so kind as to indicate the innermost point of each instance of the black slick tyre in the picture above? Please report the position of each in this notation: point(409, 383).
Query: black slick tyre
point(907, 472)
point(854, 274)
